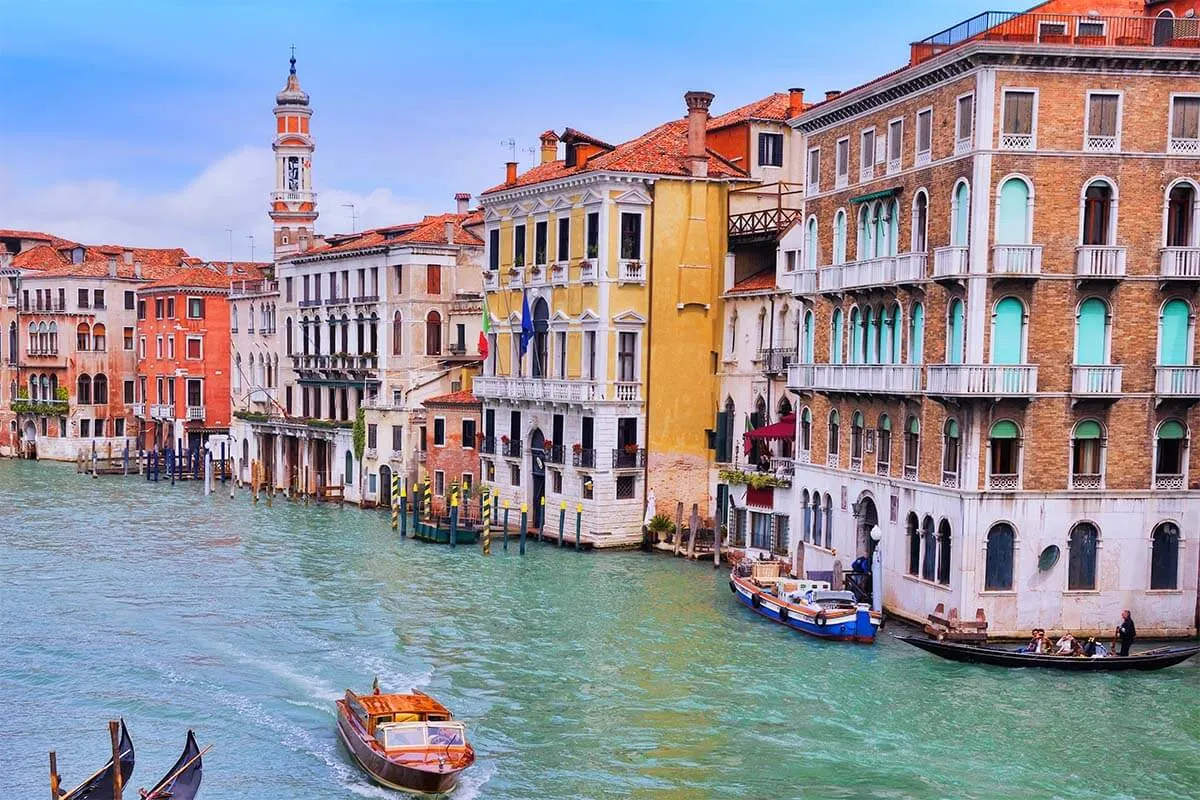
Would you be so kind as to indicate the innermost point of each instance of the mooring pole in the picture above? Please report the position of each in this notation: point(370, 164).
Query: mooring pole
point(542, 518)
point(395, 501)
point(578, 522)
point(171, 459)
point(562, 520)
point(125, 458)
point(454, 516)
point(505, 524)
point(208, 476)
point(404, 509)
point(524, 522)
point(485, 513)
point(224, 464)
point(118, 778)
point(54, 793)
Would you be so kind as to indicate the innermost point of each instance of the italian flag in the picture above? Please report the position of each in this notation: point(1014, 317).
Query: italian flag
point(485, 329)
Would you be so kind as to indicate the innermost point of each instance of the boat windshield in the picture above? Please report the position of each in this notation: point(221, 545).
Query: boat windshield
point(419, 734)
point(445, 734)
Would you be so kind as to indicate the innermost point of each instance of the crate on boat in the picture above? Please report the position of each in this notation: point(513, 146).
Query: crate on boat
point(951, 627)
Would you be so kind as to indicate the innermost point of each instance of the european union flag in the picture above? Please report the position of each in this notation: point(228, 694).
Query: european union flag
point(526, 323)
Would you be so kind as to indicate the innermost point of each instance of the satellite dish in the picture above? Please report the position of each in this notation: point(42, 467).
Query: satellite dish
point(1048, 558)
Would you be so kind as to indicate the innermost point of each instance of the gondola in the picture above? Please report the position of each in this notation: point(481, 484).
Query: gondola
point(183, 781)
point(999, 657)
point(100, 785)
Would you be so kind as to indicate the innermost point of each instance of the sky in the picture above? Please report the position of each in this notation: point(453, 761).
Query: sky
point(149, 124)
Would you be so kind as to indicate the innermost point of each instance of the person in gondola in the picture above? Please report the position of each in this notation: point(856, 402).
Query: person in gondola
point(1126, 632)
point(1067, 646)
point(1038, 644)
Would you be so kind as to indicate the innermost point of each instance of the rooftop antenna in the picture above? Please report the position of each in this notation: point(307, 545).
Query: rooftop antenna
point(353, 217)
point(230, 232)
point(511, 144)
point(530, 150)
point(251, 238)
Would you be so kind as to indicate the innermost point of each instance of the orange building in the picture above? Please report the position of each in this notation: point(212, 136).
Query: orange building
point(183, 354)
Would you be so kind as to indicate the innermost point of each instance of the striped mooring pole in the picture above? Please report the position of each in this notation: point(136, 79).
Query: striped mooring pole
point(505, 524)
point(395, 501)
point(404, 509)
point(487, 521)
point(454, 515)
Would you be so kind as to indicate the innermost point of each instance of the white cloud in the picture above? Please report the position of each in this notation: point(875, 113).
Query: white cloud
point(232, 193)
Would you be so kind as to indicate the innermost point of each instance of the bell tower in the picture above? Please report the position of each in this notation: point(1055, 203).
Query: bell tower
point(293, 204)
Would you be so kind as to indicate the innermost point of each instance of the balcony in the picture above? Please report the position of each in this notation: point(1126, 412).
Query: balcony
point(888, 379)
point(556, 454)
point(309, 303)
point(1017, 260)
point(195, 413)
point(776, 360)
point(1168, 481)
point(337, 301)
point(510, 448)
point(556, 389)
point(1172, 381)
point(1004, 482)
point(630, 271)
point(292, 197)
point(583, 457)
point(950, 262)
point(163, 411)
point(41, 352)
point(804, 281)
point(1101, 144)
point(491, 279)
point(982, 380)
point(628, 391)
point(539, 275)
point(1179, 263)
point(1183, 147)
point(487, 445)
point(1087, 480)
point(1096, 380)
point(366, 298)
point(882, 271)
point(1016, 141)
point(1100, 262)
point(516, 278)
point(558, 274)
point(783, 467)
point(138, 410)
point(761, 223)
point(962, 146)
point(588, 271)
point(950, 479)
point(629, 457)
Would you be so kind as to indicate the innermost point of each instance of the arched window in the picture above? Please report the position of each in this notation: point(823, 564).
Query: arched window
point(835, 338)
point(83, 390)
point(52, 342)
point(98, 332)
point(1164, 27)
point(883, 451)
point(871, 335)
point(1087, 455)
point(960, 214)
point(835, 424)
point(33, 345)
point(897, 330)
point(1082, 552)
point(733, 330)
point(810, 243)
point(805, 516)
point(1008, 331)
point(43, 337)
point(1014, 213)
point(880, 222)
point(955, 333)
point(818, 521)
point(287, 335)
point(913, 531)
point(1170, 449)
point(250, 316)
point(893, 227)
point(1164, 556)
point(887, 333)
point(998, 565)
point(863, 243)
point(929, 540)
point(916, 335)
point(805, 433)
point(316, 336)
point(839, 237)
point(1183, 209)
point(35, 388)
point(236, 377)
point(1091, 340)
point(397, 334)
point(345, 334)
point(348, 477)
point(856, 336)
point(433, 334)
point(1099, 214)
point(1004, 461)
point(540, 349)
point(83, 337)
point(806, 345)
point(943, 568)
point(856, 441)
point(12, 343)
point(100, 390)
point(1175, 333)
point(233, 318)
point(920, 222)
point(47, 390)
point(950, 453)
point(912, 448)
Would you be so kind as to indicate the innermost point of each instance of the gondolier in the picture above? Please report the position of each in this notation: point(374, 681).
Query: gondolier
point(1126, 632)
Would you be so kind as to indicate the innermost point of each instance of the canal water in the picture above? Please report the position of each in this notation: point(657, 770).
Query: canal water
point(579, 675)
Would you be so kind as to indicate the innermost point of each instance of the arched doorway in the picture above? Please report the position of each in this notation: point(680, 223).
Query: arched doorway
point(537, 453)
point(1164, 28)
point(541, 338)
point(868, 518)
point(385, 486)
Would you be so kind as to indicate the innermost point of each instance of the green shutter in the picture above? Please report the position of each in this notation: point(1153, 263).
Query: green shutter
point(885, 424)
point(858, 419)
point(1091, 333)
point(1011, 227)
point(1007, 324)
point(913, 425)
point(1088, 429)
point(952, 429)
point(1173, 333)
point(1005, 429)
point(722, 437)
point(1170, 430)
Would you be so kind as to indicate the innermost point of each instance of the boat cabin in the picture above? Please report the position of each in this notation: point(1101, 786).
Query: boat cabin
point(371, 711)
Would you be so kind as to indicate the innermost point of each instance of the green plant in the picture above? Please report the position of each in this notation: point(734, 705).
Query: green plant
point(359, 436)
point(755, 480)
point(251, 416)
point(60, 394)
point(660, 523)
point(592, 251)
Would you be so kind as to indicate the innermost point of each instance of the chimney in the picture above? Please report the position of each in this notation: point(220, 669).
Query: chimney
point(112, 266)
point(229, 269)
point(697, 155)
point(549, 147)
point(795, 102)
point(832, 94)
point(463, 201)
point(137, 269)
point(510, 172)
point(128, 256)
point(449, 227)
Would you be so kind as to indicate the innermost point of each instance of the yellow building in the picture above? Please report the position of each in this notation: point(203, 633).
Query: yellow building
point(619, 253)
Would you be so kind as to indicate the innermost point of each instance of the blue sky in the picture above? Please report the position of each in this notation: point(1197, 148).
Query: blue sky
point(150, 123)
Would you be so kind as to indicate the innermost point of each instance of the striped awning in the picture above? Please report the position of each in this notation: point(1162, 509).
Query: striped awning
point(882, 193)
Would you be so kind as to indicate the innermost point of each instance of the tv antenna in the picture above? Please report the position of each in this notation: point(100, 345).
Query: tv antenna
point(230, 232)
point(353, 217)
point(251, 238)
point(511, 144)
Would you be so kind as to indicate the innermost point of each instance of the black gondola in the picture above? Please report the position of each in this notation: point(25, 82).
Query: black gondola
point(975, 654)
point(100, 785)
point(183, 781)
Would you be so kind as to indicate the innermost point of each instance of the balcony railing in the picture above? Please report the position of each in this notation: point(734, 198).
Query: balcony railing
point(309, 303)
point(950, 262)
point(556, 389)
point(882, 271)
point(337, 301)
point(292, 196)
point(1168, 481)
point(34, 352)
point(555, 454)
point(511, 448)
point(995, 380)
point(587, 271)
point(1184, 146)
point(911, 267)
point(250, 288)
point(776, 360)
point(628, 391)
point(558, 274)
point(1016, 141)
point(1175, 381)
point(487, 445)
point(1018, 260)
point(761, 222)
point(584, 458)
point(1087, 480)
point(783, 467)
point(1100, 262)
point(1101, 144)
point(1099, 380)
point(631, 272)
point(804, 281)
point(1180, 262)
point(950, 479)
point(366, 298)
point(628, 457)
point(1004, 482)
point(138, 410)
point(894, 379)
point(162, 411)
point(911, 473)
point(195, 413)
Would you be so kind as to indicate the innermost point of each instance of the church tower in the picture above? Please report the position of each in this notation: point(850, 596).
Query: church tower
point(293, 204)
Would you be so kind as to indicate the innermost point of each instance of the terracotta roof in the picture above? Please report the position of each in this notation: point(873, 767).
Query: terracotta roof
point(215, 276)
point(38, 236)
point(571, 136)
point(758, 282)
point(56, 260)
point(773, 107)
point(463, 398)
point(430, 230)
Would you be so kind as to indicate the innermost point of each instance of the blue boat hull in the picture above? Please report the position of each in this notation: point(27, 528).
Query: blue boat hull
point(851, 625)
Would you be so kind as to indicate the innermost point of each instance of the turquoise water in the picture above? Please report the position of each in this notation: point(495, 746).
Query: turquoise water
point(579, 675)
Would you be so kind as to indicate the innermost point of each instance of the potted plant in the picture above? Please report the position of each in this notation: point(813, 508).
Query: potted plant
point(518, 260)
point(631, 449)
point(592, 251)
point(577, 448)
point(504, 438)
point(547, 444)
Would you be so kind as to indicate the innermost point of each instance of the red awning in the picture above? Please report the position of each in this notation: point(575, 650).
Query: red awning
point(784, 429)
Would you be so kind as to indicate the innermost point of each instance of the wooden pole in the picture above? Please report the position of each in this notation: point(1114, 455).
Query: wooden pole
point(114, 733)
point(678, 528)
point(485, 514)
point(454, 516)
point(542, 519)
point(395, 501)
point(53, 776)
point(578, 522)
point(693, 530)
point(524, 523)
point(716, 544)
point(562, 521)
point(505, 524)
point(404, 509)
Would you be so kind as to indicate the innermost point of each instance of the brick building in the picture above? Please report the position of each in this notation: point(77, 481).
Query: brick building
point(451, 446)
point(997, 363)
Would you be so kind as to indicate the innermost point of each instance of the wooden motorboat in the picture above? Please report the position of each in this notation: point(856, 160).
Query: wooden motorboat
point(409, 742)
point(999, 657)
point(100, 785)
point(810, 607)
point(183, 781)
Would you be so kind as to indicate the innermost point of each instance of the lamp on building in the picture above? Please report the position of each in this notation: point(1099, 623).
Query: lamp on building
point(877, 569)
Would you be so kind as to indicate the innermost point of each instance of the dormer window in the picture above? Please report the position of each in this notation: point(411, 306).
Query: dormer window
point(571, 156)
point(77, 255)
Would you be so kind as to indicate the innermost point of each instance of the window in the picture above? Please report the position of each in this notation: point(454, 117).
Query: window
point(924, 135)
point(1185, 125)
point(913, 532)
point(811, 256)
point(372, 436)
point(1014, 223)
point(929, 543)
point(950, 453)
point(468, 434)
point(556, 481)
point(1103, 122)
point(1004, 445)
point(83, 390)
point(397, 334)
point(1017, 130)
point(83, 337)
point(814, 170)
point(518, 245)
point(493, 250)
point(439, 482)
point(397, 438)
point(835, 421)
point(1169, 455)
point(170, 308)
point(866, 155)
point(1091, 343)
point(98, 338)
point(841, 162)
point(85, 428)
point(920, 222)
point(1090, 28)
point(127, 391)
point(195, 392)
point(895, 143)
point(964, 123)
point(856, 441)
point(960, 214)
point(593, 235)
point(433, 334)
point(563, 250)
point(1164, 556)
point(631, 236)
point(130, 301)
point(195, 308)
point(626, 356)
point(467, 481)
point(839, 237)
point(141, 309)
point(1098, 214)
point(955, 333)
point(1175, 333)
point(433, 279)
point(541, 242)
point(944, 542)
point(1008, 336)
point(287, 290)
point(560, 354)
point(141, 347)
point(1087, 455)
point(835, 337)
point(193, 348)
point(514, 474)
point(1182, 217)
point(170, 347)
point(439, 432)
point(998, 563)
point(98, 298)
point(626, 487)
point(770, 149)
point(158, 308)
point(805, 431)
point(1082, 551)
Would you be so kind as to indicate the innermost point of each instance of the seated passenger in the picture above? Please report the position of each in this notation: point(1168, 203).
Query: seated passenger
point(1067, 646)
point(1039, 644)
